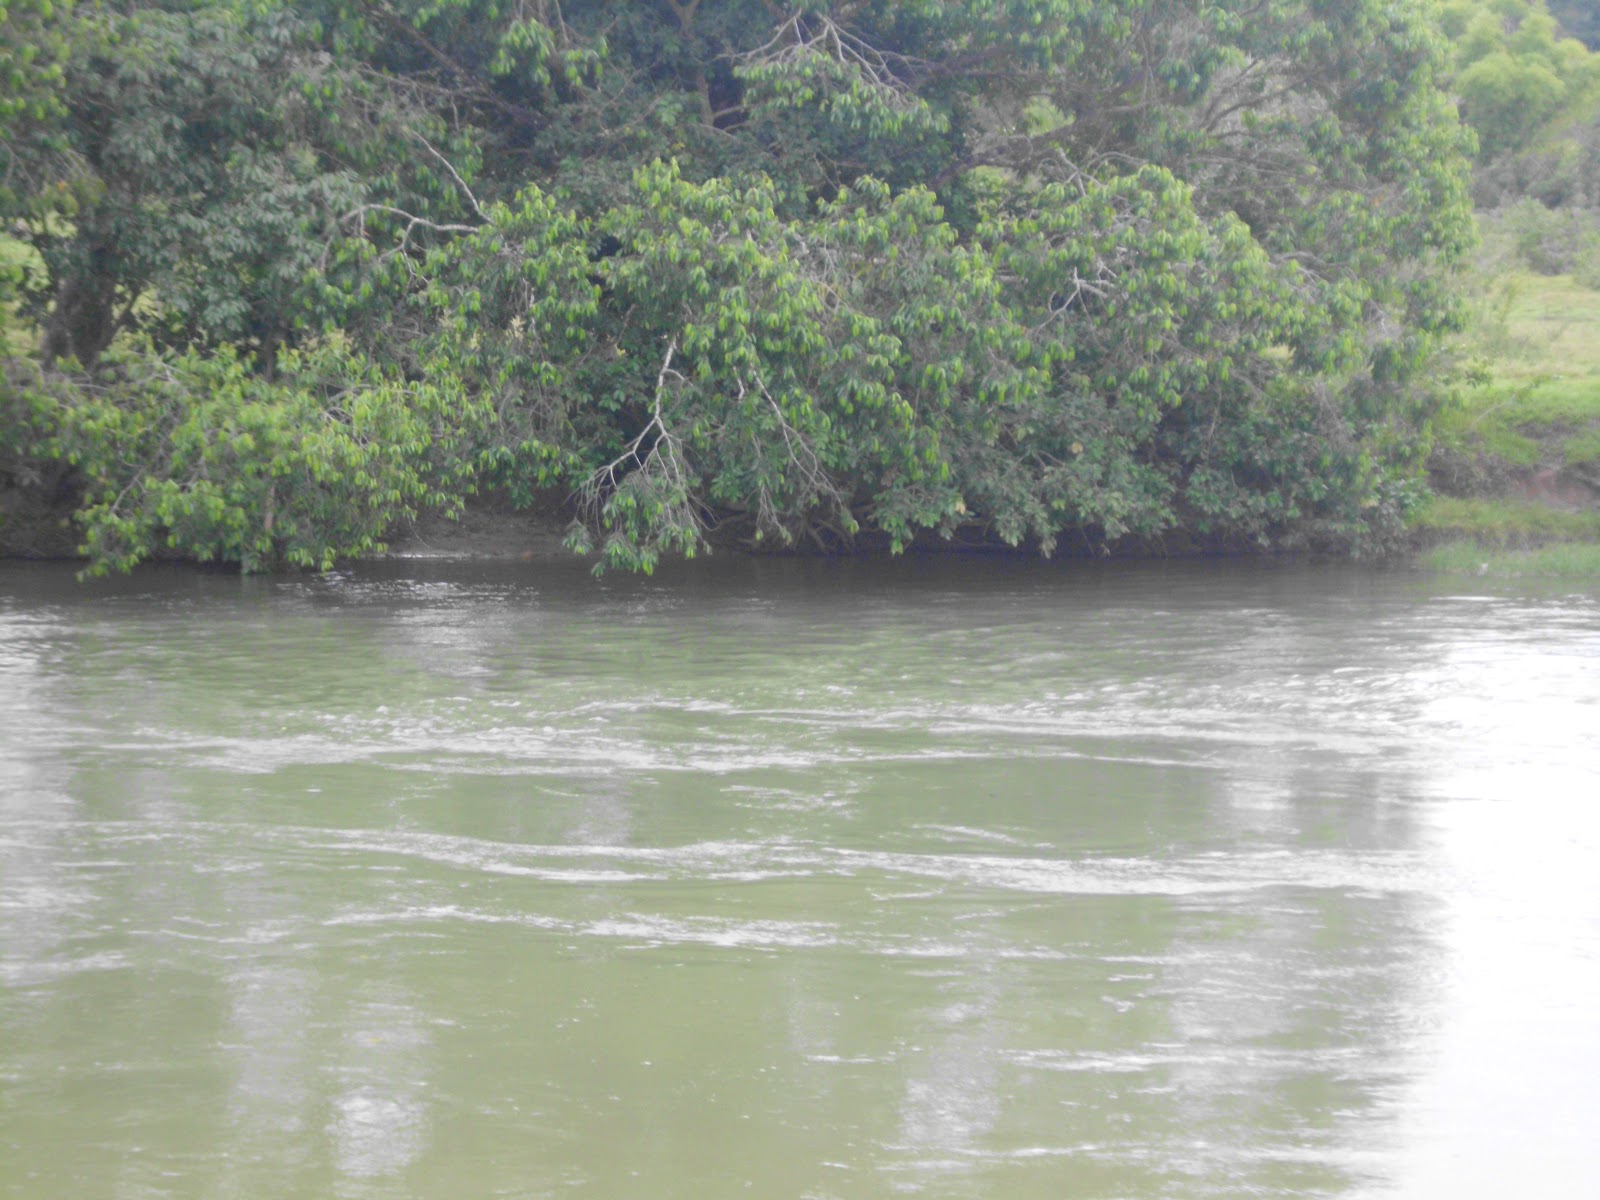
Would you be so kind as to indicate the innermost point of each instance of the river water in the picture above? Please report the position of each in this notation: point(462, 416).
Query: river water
point(965, 878)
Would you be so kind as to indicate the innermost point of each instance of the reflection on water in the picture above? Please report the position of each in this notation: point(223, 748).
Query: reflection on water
point(379, 1103)
point(965, 879)
point(1510, 1084)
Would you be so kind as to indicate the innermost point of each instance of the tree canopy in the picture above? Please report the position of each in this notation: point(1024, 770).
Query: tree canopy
point(820, 272)
point(1530, 88)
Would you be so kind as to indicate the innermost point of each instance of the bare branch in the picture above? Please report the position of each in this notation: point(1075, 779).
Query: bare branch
point(445, 162)
point(413, 222)
point(657, 463)
point(807, 35)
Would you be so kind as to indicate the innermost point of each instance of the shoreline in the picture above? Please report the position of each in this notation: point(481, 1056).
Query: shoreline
point(494, 534)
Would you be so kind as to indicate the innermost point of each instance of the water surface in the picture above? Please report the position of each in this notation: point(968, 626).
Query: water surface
point(967, 878)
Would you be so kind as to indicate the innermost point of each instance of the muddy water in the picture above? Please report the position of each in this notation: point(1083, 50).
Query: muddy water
point(967, 879)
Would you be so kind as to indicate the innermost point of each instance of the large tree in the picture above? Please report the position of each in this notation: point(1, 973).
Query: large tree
point(809, 271)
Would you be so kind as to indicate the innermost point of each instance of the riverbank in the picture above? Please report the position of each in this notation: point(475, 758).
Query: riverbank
point(1516, 462)
point(1516, 532)
point(1515, 466)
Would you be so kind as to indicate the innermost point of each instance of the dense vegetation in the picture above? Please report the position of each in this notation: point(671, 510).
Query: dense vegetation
point(807, 272)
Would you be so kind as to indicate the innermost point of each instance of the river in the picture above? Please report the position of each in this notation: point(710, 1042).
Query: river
point(954, 878)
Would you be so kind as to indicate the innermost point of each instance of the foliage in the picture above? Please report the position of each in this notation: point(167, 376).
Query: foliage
point(1532, 94)
point(198, 455)
point(32, 46)
point(1515, 70)
point(812, 273)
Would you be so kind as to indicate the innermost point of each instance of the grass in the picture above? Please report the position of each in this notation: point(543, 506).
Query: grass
point(1563, 561)
point(1504, 522)
point(1533, 405)
point(1536, 347)
point(1558, 319)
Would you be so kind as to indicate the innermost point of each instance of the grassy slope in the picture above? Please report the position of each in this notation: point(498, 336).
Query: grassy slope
point(1518, 459)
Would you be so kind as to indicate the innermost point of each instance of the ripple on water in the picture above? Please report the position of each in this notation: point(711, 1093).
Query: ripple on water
point(407, 858)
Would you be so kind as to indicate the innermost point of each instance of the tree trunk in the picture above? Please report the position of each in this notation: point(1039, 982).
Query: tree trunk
point(83, 317)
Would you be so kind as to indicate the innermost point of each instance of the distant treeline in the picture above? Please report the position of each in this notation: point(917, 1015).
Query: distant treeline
point(812, 272)
point(1531, 91)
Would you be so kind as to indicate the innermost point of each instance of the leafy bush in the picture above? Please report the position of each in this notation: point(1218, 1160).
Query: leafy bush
point(791, 273)
point(199, 456)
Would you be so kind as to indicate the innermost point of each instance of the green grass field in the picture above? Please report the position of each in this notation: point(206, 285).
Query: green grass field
point(1506, 522)
point(1563, 560)
point(1536, 347)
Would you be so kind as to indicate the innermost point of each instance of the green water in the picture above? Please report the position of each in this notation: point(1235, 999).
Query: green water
point(974, 878)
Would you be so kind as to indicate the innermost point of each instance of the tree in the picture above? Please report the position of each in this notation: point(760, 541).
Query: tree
point(802, 273)
point(1532, 95)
